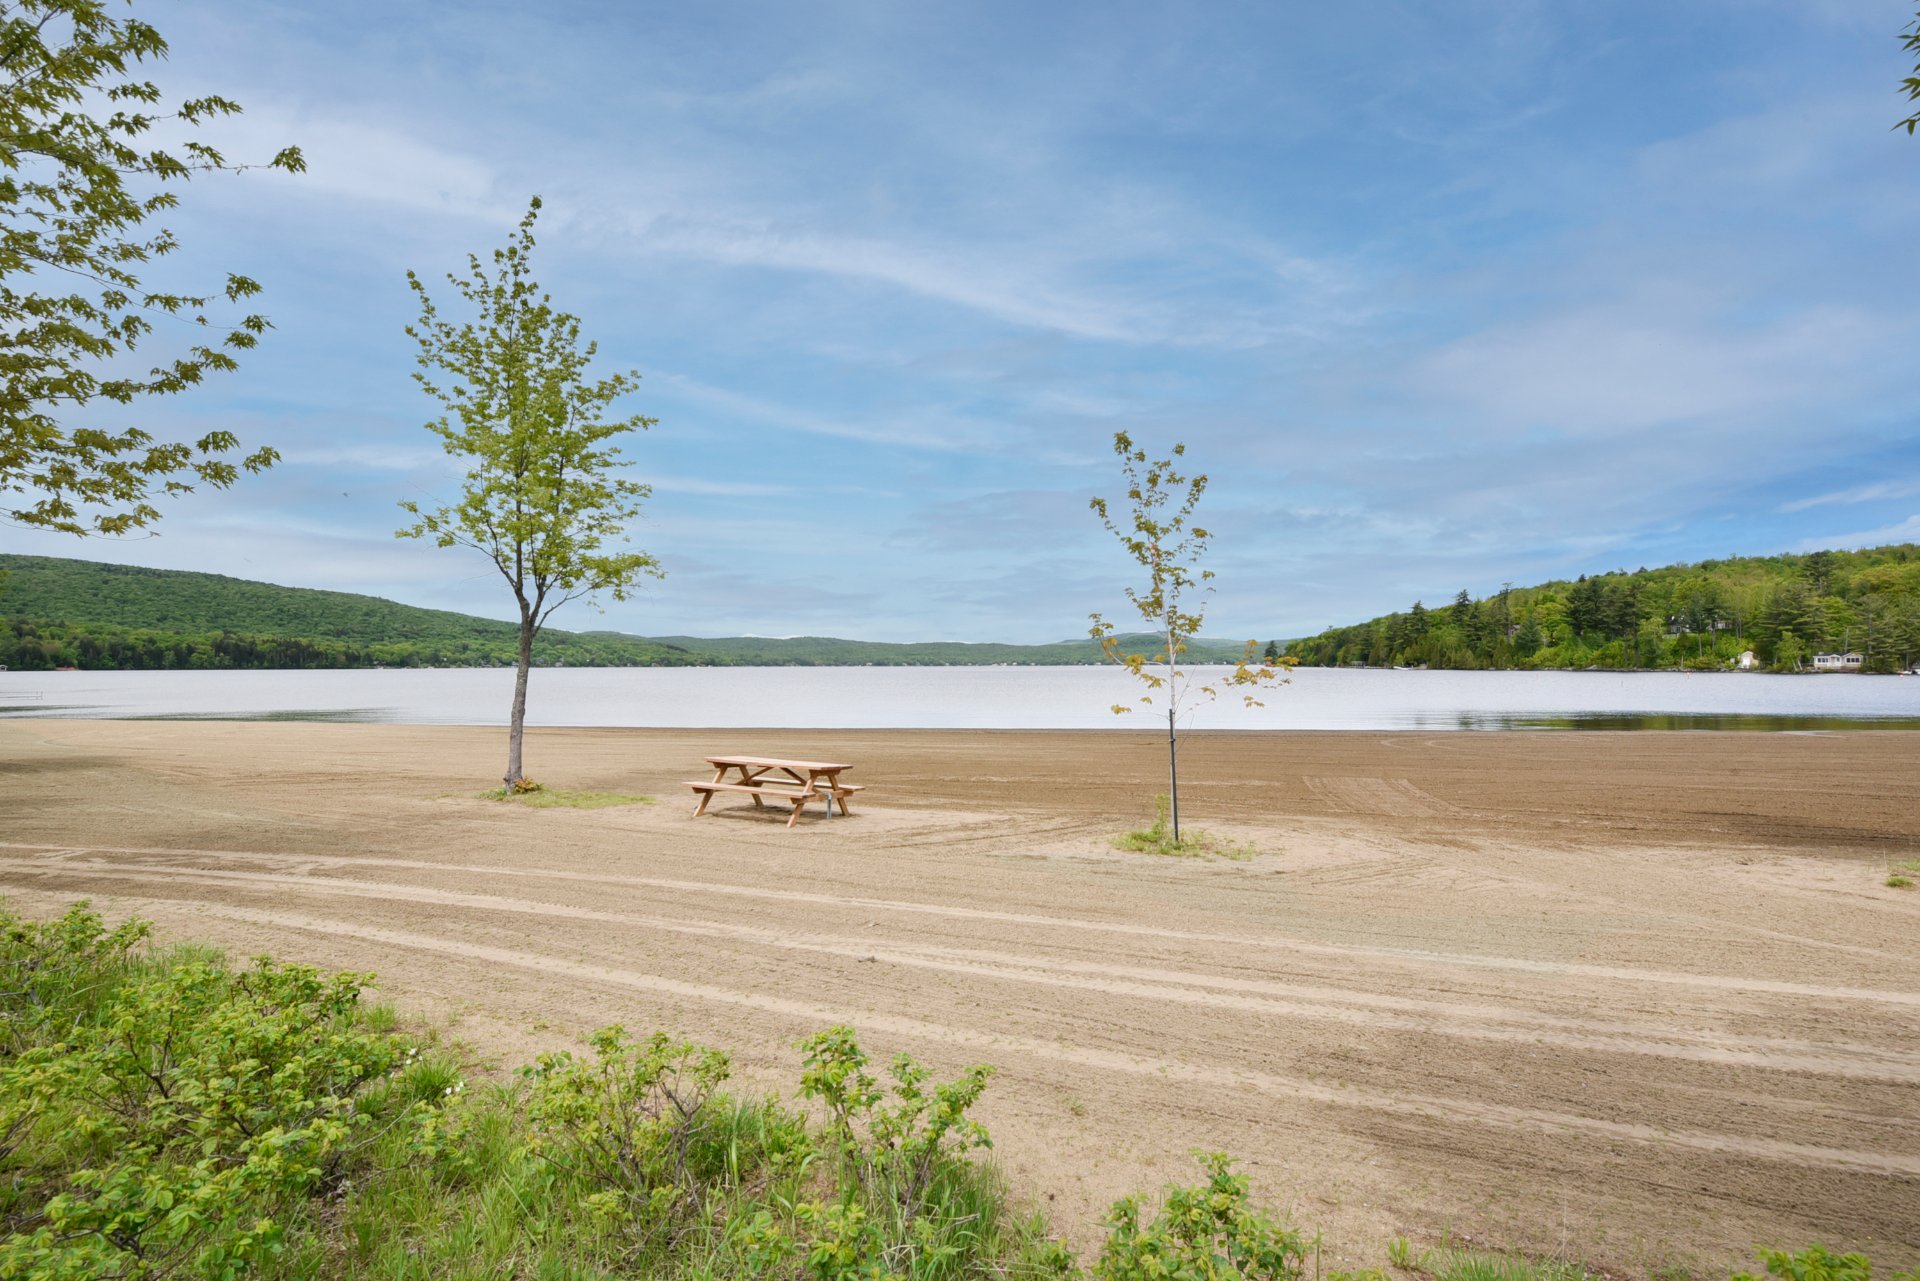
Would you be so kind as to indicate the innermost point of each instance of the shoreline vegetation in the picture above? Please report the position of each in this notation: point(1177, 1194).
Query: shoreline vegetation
point(168, 1113)
point(1779, 610)
point(95, 616)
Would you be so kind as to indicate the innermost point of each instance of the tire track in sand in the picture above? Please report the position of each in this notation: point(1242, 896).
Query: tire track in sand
point(1460, 1020)
point(1413, 956)
point(1420, 1107)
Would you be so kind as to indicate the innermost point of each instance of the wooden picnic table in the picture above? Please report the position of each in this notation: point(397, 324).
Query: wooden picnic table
point(796, 782)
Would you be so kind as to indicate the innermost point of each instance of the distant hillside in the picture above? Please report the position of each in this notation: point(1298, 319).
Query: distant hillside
point(827, 650)
point(1701, 616)
point(93, 615)
point(56, 612)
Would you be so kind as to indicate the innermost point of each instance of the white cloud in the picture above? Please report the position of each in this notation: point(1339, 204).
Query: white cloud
point(1906, 531)
point(970, 278)
point(1857, 494)
point(369, 163)
point(1631, 367)
point(367, 457)
point(811, 423)
point(664, 484)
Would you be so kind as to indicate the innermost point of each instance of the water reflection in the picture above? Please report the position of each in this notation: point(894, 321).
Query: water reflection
point(324, 715)
point(1744, 722)
point(977, 698)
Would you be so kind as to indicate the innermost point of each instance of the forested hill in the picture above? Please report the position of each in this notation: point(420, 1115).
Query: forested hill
point(74, 613)
point(1702, 616)
point(92, 615)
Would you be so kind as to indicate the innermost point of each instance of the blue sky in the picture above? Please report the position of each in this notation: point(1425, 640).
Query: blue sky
point(1439, 295)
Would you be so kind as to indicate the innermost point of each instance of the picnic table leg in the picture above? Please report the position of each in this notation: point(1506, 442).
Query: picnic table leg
point(701, 808)
point(799, 803)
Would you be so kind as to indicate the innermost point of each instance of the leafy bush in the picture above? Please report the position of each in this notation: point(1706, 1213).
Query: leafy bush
point(54, 969)
point(1202, 1233)
point(634, 1121)
point(895, 1148)
point(1817, 1263)
point(160, 1118)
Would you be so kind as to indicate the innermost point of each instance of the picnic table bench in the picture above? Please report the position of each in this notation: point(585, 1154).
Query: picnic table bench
point(796, 782)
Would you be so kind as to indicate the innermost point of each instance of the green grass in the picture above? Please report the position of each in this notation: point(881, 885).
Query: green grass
point(1193, 843)
point(547, 798)
point(1455, 1263)
point(1487, 1265)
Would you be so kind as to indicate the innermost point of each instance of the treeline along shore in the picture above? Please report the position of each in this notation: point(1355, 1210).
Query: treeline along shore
point(1779, 610)
point(58, 613)
point(1776, 612)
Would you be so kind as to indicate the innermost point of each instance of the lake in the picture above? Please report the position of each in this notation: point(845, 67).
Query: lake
point(977, 698)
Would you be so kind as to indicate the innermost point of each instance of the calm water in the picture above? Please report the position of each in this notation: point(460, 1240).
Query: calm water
point(978, 697)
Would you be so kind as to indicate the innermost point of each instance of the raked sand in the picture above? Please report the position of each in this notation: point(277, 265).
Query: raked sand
point(1644, 999)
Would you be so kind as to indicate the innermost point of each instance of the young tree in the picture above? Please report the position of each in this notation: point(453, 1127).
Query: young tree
point(76, 192)
point(1157, 533)
point(542, 500)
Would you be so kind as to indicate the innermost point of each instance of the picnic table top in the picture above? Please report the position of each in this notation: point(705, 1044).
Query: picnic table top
point(774, 763)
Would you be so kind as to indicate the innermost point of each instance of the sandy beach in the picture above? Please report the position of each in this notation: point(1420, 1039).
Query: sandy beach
point(1644, 999)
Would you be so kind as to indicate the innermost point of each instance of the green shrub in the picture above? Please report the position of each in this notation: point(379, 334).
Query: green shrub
point(634, 1122)
point(163, 1118)
point(1817, 1263)
point(893, 1148)
point(60, 969)
point(1203, 1233)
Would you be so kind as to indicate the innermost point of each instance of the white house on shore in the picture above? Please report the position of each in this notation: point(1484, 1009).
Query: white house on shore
point(1847, 662)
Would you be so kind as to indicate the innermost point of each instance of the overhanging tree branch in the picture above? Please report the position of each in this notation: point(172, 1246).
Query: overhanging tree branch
point(66, 209)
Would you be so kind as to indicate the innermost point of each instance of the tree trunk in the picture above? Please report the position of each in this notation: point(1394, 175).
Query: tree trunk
point(1173, 746)
point(1173, 773)
point(517, 724)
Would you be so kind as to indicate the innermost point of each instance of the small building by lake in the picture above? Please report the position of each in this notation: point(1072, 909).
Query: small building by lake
point(1848, 662)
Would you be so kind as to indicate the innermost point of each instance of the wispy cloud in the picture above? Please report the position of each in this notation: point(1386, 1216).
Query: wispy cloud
point(666, 484)
point(740, 405)
point(1627, 368)
point(900, 272)
point(1878, 490)
point(366, 162)
point(1905, 531)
